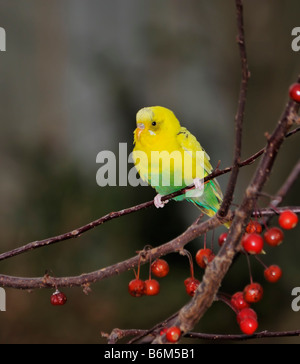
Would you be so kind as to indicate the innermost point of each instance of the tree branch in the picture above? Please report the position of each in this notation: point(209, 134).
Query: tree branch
point(287, 185)
point(175, 245)
point(118, 334)
point(75, 233)
point(193, 231)
point(258, 335)
point(228, 197)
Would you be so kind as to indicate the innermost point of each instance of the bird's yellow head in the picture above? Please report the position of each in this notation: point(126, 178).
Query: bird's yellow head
point(155, 124)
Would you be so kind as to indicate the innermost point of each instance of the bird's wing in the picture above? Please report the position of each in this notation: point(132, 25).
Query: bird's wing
point(190, 144)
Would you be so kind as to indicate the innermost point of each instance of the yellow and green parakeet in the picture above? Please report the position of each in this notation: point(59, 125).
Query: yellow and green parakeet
point(159, 131)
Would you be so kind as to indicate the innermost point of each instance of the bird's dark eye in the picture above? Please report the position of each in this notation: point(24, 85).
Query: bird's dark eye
point(153, 123)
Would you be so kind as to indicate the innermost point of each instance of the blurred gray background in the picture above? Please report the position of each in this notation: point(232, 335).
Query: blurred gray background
point(72, 78)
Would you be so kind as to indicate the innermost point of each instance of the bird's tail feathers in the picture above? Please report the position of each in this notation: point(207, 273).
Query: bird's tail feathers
point(210, 202)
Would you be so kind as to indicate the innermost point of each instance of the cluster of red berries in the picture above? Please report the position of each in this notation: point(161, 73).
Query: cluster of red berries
point(160, 268)
point(241, 301)
point(203, 257)
point(252, 243)
point(150, 287)
point(58, 298)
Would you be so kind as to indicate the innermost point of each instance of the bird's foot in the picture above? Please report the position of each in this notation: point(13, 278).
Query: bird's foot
point(199, 184)
point(158, 203)
point(198, 190)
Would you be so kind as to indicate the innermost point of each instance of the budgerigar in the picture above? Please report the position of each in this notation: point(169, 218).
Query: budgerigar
point(159, 131)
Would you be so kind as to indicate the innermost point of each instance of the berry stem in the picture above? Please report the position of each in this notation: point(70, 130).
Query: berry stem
point(260, 261)
point(223, 297)
point(257, 211)
point(265, 224)
point(258, 214)
point(212, 240)
point(150, 261)
point(137, 275)
point(188, 254)
point(272, 207)
point(249, 268)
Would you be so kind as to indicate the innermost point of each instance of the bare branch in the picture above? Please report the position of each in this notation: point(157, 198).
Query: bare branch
point(172, 246)
point(118, 334)
point(287, 185)
point(75, 233)
point(193, 231)
point(228, 197)
point(228, 337)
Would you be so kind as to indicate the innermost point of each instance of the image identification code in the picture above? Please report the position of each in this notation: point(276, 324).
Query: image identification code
point(161, 353)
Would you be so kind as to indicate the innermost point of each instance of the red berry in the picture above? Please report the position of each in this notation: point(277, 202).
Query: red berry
point(273, 273)
point(204, 256)
point(160, 268)
point(136, 287)
point(294, 92)
point(248, 326)
point(163, 331)
point(246, 313)
point(222, 238)
point(253, 243)
point(191, 285)
point(173, 334)
point(58, 298)
point(288, 219)
point(238, 302)
point(152, 287)
point(274, 236)
point(254, 227)
point(253, 292)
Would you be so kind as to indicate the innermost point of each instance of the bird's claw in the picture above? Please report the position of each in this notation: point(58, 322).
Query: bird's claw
point(198, 190)
point(199, 184)
point(158, 203)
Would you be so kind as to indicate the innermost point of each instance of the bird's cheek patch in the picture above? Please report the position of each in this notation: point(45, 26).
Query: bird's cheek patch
point(140, 128)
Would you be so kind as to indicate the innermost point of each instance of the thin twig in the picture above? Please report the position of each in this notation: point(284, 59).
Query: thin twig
point(228, 337)
point(192, 232)
point(292, 177)
point(86, 279)
point(118, 334)
point(239, 117)
point(75, 233)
